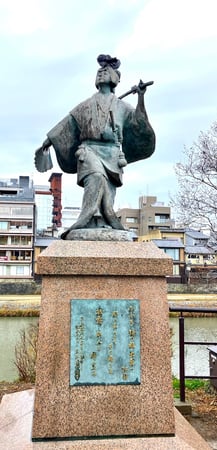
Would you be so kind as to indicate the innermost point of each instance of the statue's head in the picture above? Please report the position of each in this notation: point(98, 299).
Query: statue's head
point(108, 71)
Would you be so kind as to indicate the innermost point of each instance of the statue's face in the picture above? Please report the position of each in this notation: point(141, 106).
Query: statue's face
point(103, 76)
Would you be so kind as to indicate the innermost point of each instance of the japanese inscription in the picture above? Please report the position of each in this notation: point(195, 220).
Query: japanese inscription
point(105, 342)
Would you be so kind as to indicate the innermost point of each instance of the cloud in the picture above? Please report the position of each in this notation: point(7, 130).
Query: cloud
point(21, 18)
point(171, 24)
point(48, 52)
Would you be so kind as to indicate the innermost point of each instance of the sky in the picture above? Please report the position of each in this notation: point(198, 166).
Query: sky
point(48, 52)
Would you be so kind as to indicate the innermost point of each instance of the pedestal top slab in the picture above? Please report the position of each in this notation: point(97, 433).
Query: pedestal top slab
point(104, 258)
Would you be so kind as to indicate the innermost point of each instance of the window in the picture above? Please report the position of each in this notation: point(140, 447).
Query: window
point(14, 254)
point(176, 270)
point(131, 219)
point(27, 255)
point(173, 252)
point(22, 211)
point(3, 240)
point(8, 270)
point(24, 240)
point(19, 255)
point(20, 225)
point(3, 225)
point(3, 256)
point(5, 210)
point(160, 218)
point(19, 270)
point(20, 240)
point(15, 240)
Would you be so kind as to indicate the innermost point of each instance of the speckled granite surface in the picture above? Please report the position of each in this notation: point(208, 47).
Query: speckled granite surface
point(115, 258)
point(16, 422)
point(86, 270)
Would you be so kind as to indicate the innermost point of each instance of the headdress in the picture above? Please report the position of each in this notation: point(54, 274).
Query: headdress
point(113, 64)
point(107, 60)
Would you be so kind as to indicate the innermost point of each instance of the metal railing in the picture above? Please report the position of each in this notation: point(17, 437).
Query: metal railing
point(182, 343)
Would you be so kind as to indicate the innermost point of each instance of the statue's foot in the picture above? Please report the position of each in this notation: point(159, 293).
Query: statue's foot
point(115, 223)
point(64, 234)
point(73, 227)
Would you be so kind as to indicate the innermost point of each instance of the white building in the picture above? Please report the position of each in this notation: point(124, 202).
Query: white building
point(44, 207)
point(70, 215)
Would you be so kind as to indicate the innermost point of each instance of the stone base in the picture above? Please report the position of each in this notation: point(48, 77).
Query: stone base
point(16, 412)
point(98, 234)
point(76, 270)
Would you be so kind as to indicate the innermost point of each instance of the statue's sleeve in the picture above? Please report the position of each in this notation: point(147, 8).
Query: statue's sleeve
point(65, 138)
point(138, 136)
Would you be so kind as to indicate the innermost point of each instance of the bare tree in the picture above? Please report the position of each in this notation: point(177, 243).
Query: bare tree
point(196, 200)
point(26, 353)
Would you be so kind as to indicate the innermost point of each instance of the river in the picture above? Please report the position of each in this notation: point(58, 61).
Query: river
point(10, 328)
point(196, 357)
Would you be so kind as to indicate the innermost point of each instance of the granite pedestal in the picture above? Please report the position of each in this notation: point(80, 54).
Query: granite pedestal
point(16, 426)
point(103, 270)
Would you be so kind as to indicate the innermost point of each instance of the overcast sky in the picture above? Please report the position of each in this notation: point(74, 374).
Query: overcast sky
point(48, 52)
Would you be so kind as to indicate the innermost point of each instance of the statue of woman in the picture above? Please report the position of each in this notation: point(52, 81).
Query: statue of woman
point(96, 140)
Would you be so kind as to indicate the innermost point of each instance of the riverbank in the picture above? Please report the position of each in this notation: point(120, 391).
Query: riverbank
point(195, 299)
point(29, 305)
point(20, 305)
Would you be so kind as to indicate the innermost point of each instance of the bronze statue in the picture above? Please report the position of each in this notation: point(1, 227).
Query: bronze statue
point(96, 140)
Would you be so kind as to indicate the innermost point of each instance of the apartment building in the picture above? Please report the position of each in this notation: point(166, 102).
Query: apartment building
point(151, 215)
point(17, 227)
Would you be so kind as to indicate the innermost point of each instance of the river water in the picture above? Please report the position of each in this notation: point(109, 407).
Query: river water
point(10, 328)
point(196, 357)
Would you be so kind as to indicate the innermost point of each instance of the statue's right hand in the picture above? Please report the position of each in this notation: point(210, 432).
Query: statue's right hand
point(43, 160)
point(46, 144)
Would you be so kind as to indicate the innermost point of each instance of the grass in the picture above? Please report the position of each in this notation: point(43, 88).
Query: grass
point(27, 312)
point(190, 384)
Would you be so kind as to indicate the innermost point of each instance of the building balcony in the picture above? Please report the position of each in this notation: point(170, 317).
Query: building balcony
point(17, 261)
point(3, 258)
point(20, 258)
point(16, 246)
point(15, 231)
